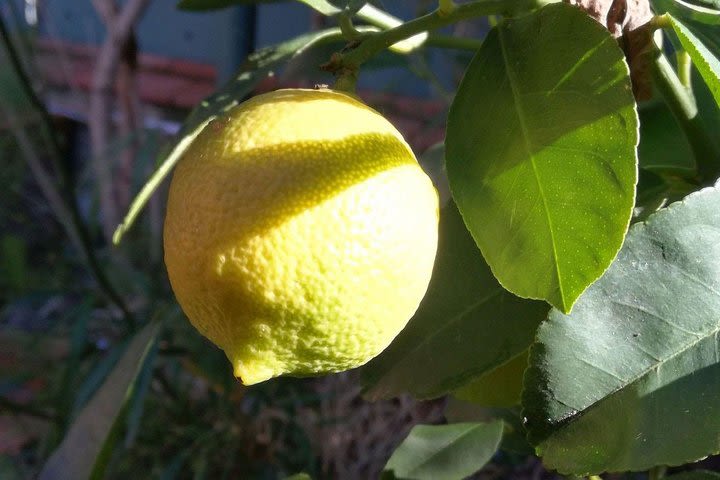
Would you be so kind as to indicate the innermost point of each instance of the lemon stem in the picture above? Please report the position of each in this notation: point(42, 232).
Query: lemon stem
point(346, 27)
point(346, 82)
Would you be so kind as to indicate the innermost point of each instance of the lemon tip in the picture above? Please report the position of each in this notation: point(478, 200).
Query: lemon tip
point(253, 373)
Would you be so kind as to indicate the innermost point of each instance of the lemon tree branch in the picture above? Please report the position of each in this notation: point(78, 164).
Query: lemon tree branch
point(348, 63)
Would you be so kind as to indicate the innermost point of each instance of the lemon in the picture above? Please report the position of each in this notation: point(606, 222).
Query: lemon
point(300, 233)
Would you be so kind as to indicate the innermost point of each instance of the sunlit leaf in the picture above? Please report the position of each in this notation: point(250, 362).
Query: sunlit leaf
point(706, 13)
point(541, 154)
point(703, 59)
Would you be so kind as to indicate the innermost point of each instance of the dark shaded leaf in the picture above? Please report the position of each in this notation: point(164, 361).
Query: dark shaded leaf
point(631, 379)
point(445, 452)
point(466, 326)
point(85, 449)
point(136, 406)
point(514, 433)
point(499, 388)
point(663, 146)
point(695, 475)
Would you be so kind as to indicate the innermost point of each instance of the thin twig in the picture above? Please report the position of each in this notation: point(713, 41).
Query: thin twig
point(119, 29)
point(128, 103)
point(348, 64)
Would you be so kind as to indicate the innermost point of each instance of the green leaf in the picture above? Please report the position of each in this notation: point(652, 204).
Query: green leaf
point(695, 475)
point(541, 155)
point(445, 452)
point(686, 10)
point(663, 146)
point(202, 5)
point(85, 450)
point(457, 411)
point(96, 376)
point(136, 405)
point(466, 326)
point(631, 379)
point(707, 64)
point(258, 66)
point(498, 388)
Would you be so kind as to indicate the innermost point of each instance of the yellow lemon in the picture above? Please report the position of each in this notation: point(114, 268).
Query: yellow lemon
point(300, 233)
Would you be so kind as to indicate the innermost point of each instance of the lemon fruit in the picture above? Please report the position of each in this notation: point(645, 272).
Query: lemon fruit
point(300, 233)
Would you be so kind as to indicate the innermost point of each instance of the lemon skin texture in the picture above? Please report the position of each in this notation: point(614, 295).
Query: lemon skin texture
point(300, 233)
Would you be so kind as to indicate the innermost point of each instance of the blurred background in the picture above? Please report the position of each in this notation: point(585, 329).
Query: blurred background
point(92, 96)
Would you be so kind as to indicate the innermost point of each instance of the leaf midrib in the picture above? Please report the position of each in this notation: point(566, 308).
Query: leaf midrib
point(526, 140)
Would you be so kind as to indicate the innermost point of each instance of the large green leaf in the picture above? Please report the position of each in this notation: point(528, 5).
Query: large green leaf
point(467, 324)
point(259, 65)
point(445, 452)
point(707, 64)
point(631, 379)
point(541, 154)
point(85, 450)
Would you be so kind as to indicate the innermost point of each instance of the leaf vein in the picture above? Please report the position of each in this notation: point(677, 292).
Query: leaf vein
point(528, 146)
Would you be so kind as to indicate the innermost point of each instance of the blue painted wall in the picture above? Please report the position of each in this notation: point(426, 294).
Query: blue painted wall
point(222, 38)
point(225, 37)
